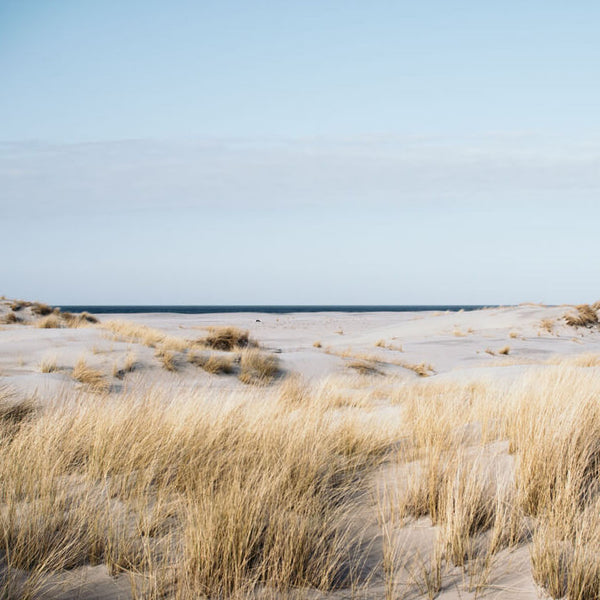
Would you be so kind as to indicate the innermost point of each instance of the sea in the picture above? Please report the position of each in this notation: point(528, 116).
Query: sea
point(194, 309)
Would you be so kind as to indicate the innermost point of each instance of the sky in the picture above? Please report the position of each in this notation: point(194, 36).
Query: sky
point(314, 152)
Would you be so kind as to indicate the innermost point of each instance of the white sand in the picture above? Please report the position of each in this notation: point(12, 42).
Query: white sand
point(453, 343)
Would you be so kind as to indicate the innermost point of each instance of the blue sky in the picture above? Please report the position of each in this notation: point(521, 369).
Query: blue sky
point(299, 152)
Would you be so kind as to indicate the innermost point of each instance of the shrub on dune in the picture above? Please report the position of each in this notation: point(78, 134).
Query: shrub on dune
point(227, 338)
point(51, 321)
point(586, 316)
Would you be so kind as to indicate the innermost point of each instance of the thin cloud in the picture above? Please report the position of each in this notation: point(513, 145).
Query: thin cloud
point(383, 170)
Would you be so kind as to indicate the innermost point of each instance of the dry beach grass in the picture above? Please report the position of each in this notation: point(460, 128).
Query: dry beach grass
point(366, 483)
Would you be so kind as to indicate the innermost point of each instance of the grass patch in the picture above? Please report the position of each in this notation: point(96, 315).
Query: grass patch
point(58, 320)
point(196, 498)
point(10, 318)
point(586, 316)
point(213, 363)
point(257, 367)
point(89, 376)
point(365, 367)
point(48, 365)
point(148, 336)
point(168, 359)
point(40, 309)
point(228, 339)
point(51, 321)
point(129, 365)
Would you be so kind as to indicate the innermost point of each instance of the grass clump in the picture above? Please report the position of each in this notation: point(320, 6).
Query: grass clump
point(148, 336)
point(200, 499)
point(586, 316)
point(51, 321)
point(48, 365)
point(14, 411)
point(547, 325)
point(257, 367)
point(294, 391)
point(213, 363)
point(421, 369)
point(89, 376)
point(10, 318)
point(18, 305)
point(382, 344)
point(130, 364)
point(219, 364)
point(58, 320)
point(365, 367)
point(40, 309)
point(227, 339)
point(168, 359)
point(79, 320)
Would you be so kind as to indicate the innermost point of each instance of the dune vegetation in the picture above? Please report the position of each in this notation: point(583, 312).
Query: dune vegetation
point(201, 466)
point(195, 496)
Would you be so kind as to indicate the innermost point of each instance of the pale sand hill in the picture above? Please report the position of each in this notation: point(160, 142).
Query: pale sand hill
point(492, 350)
point(452, 343)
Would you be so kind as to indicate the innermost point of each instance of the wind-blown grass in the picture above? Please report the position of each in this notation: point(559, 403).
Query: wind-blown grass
point(202, 498)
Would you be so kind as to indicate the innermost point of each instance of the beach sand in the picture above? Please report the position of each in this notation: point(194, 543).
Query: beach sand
point(495, 346)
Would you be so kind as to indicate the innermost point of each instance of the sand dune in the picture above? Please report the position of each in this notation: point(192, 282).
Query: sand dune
point(436, 411)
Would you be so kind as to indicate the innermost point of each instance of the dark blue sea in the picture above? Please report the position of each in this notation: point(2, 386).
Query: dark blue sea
point(194, 309)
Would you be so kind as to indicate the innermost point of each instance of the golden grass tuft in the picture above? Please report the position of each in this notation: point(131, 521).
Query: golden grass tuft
point(394, 347)
point(228, 339)
point(168, 359)
point(468, 509)
point(317, 345)
point(294, 391)
point(51, 321)
point(14, 410)
point(586, 316)
point(57, 320)
point(48, 364)
point(586, 359)
point(504, 351)
point(129, 365)
point(218, 498)
point(40, 309)
point(421, 369)
point(18, 305)
point(257, 367)
point(10, 318)
point(365, 367)
point(513, 335)
point(216, 364)
point(89, 376)
point(148, 336)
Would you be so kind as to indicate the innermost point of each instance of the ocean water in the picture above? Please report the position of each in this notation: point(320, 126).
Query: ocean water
point(274, 309)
